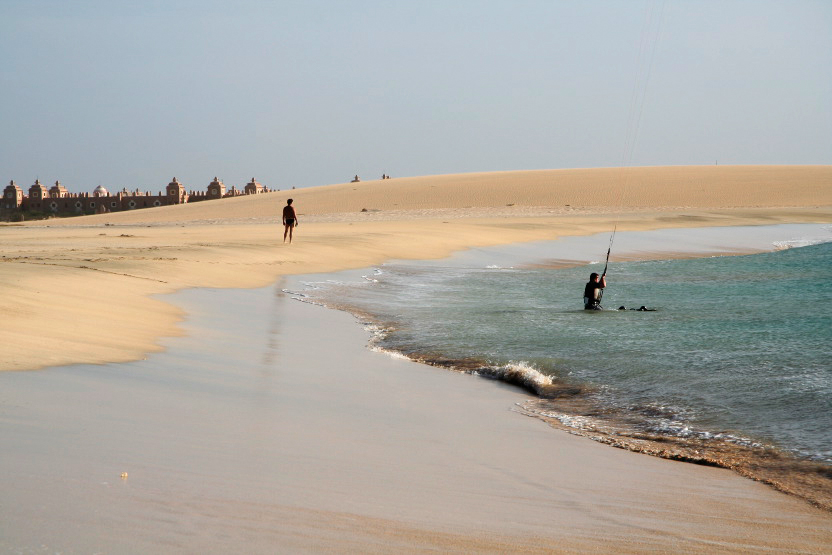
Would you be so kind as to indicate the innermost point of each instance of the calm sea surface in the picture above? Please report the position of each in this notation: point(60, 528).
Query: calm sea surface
point(739, 348)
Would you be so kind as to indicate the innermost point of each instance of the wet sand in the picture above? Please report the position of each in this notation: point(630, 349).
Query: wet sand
point(269, 426)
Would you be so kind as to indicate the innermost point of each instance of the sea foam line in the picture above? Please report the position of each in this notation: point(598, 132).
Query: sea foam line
point(804, 241)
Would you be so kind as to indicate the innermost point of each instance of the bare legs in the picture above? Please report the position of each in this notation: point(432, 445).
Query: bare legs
point(288, 231)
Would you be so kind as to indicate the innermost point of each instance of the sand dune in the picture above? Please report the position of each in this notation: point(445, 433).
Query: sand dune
point(604, 190)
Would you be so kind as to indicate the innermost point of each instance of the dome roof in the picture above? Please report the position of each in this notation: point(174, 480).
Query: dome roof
point(100, 191)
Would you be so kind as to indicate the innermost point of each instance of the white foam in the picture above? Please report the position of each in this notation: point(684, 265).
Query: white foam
point(577, 422)
point(307, 301)
point(805, 241)
point(392, 354)
point(521, 373)
point(802, 242)
point(376, 272)
point(295, 293)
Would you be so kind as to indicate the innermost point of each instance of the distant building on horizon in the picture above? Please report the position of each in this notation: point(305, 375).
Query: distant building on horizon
point(58, 201)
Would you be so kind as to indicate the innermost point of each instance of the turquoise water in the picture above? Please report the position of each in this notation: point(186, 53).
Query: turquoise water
point(738, 347)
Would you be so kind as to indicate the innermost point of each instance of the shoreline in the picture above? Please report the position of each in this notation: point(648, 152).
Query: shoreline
point(245, 432)
point(112, 281)
point(64, 281)
point(563, 405)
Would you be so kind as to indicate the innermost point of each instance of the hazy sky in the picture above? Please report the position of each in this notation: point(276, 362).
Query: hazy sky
point(312, 92)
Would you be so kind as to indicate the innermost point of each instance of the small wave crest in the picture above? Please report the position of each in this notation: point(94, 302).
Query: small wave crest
point(518, 373)
point(521, 374)
point(377, 334)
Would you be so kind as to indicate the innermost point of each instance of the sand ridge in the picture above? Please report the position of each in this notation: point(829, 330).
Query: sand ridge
point(600, 189)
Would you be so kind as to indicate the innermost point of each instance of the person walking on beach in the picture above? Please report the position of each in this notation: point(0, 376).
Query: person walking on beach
point(593, 291)
point(290, 220)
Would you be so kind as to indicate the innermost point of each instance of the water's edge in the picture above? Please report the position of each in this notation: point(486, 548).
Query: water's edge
point(572, 406)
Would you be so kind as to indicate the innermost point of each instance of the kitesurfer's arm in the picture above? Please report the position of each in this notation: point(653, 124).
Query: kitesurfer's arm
point(603, 281)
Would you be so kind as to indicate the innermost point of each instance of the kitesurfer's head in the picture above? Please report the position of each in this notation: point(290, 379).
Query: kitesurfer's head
point(593, 277)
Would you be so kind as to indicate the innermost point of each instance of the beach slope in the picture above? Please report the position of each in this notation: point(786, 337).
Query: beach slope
point(82, 289)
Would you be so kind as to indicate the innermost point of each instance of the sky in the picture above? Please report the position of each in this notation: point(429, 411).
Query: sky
point(131, 94)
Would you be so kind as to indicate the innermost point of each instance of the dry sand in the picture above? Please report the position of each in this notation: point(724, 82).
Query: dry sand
point(85, 290)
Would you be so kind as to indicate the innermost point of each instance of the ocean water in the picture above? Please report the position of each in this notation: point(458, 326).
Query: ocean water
point(732, 367)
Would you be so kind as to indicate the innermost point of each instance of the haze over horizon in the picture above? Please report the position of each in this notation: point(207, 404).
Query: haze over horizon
point(311, 93)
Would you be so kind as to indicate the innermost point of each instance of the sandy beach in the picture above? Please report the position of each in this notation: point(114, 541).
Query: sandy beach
point(70, 278)
point(252, 439)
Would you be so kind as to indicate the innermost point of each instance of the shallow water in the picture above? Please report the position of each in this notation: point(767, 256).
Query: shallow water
point(737, 350)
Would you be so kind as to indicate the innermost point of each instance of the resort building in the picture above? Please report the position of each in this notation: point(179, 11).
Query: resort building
point(57, 200)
